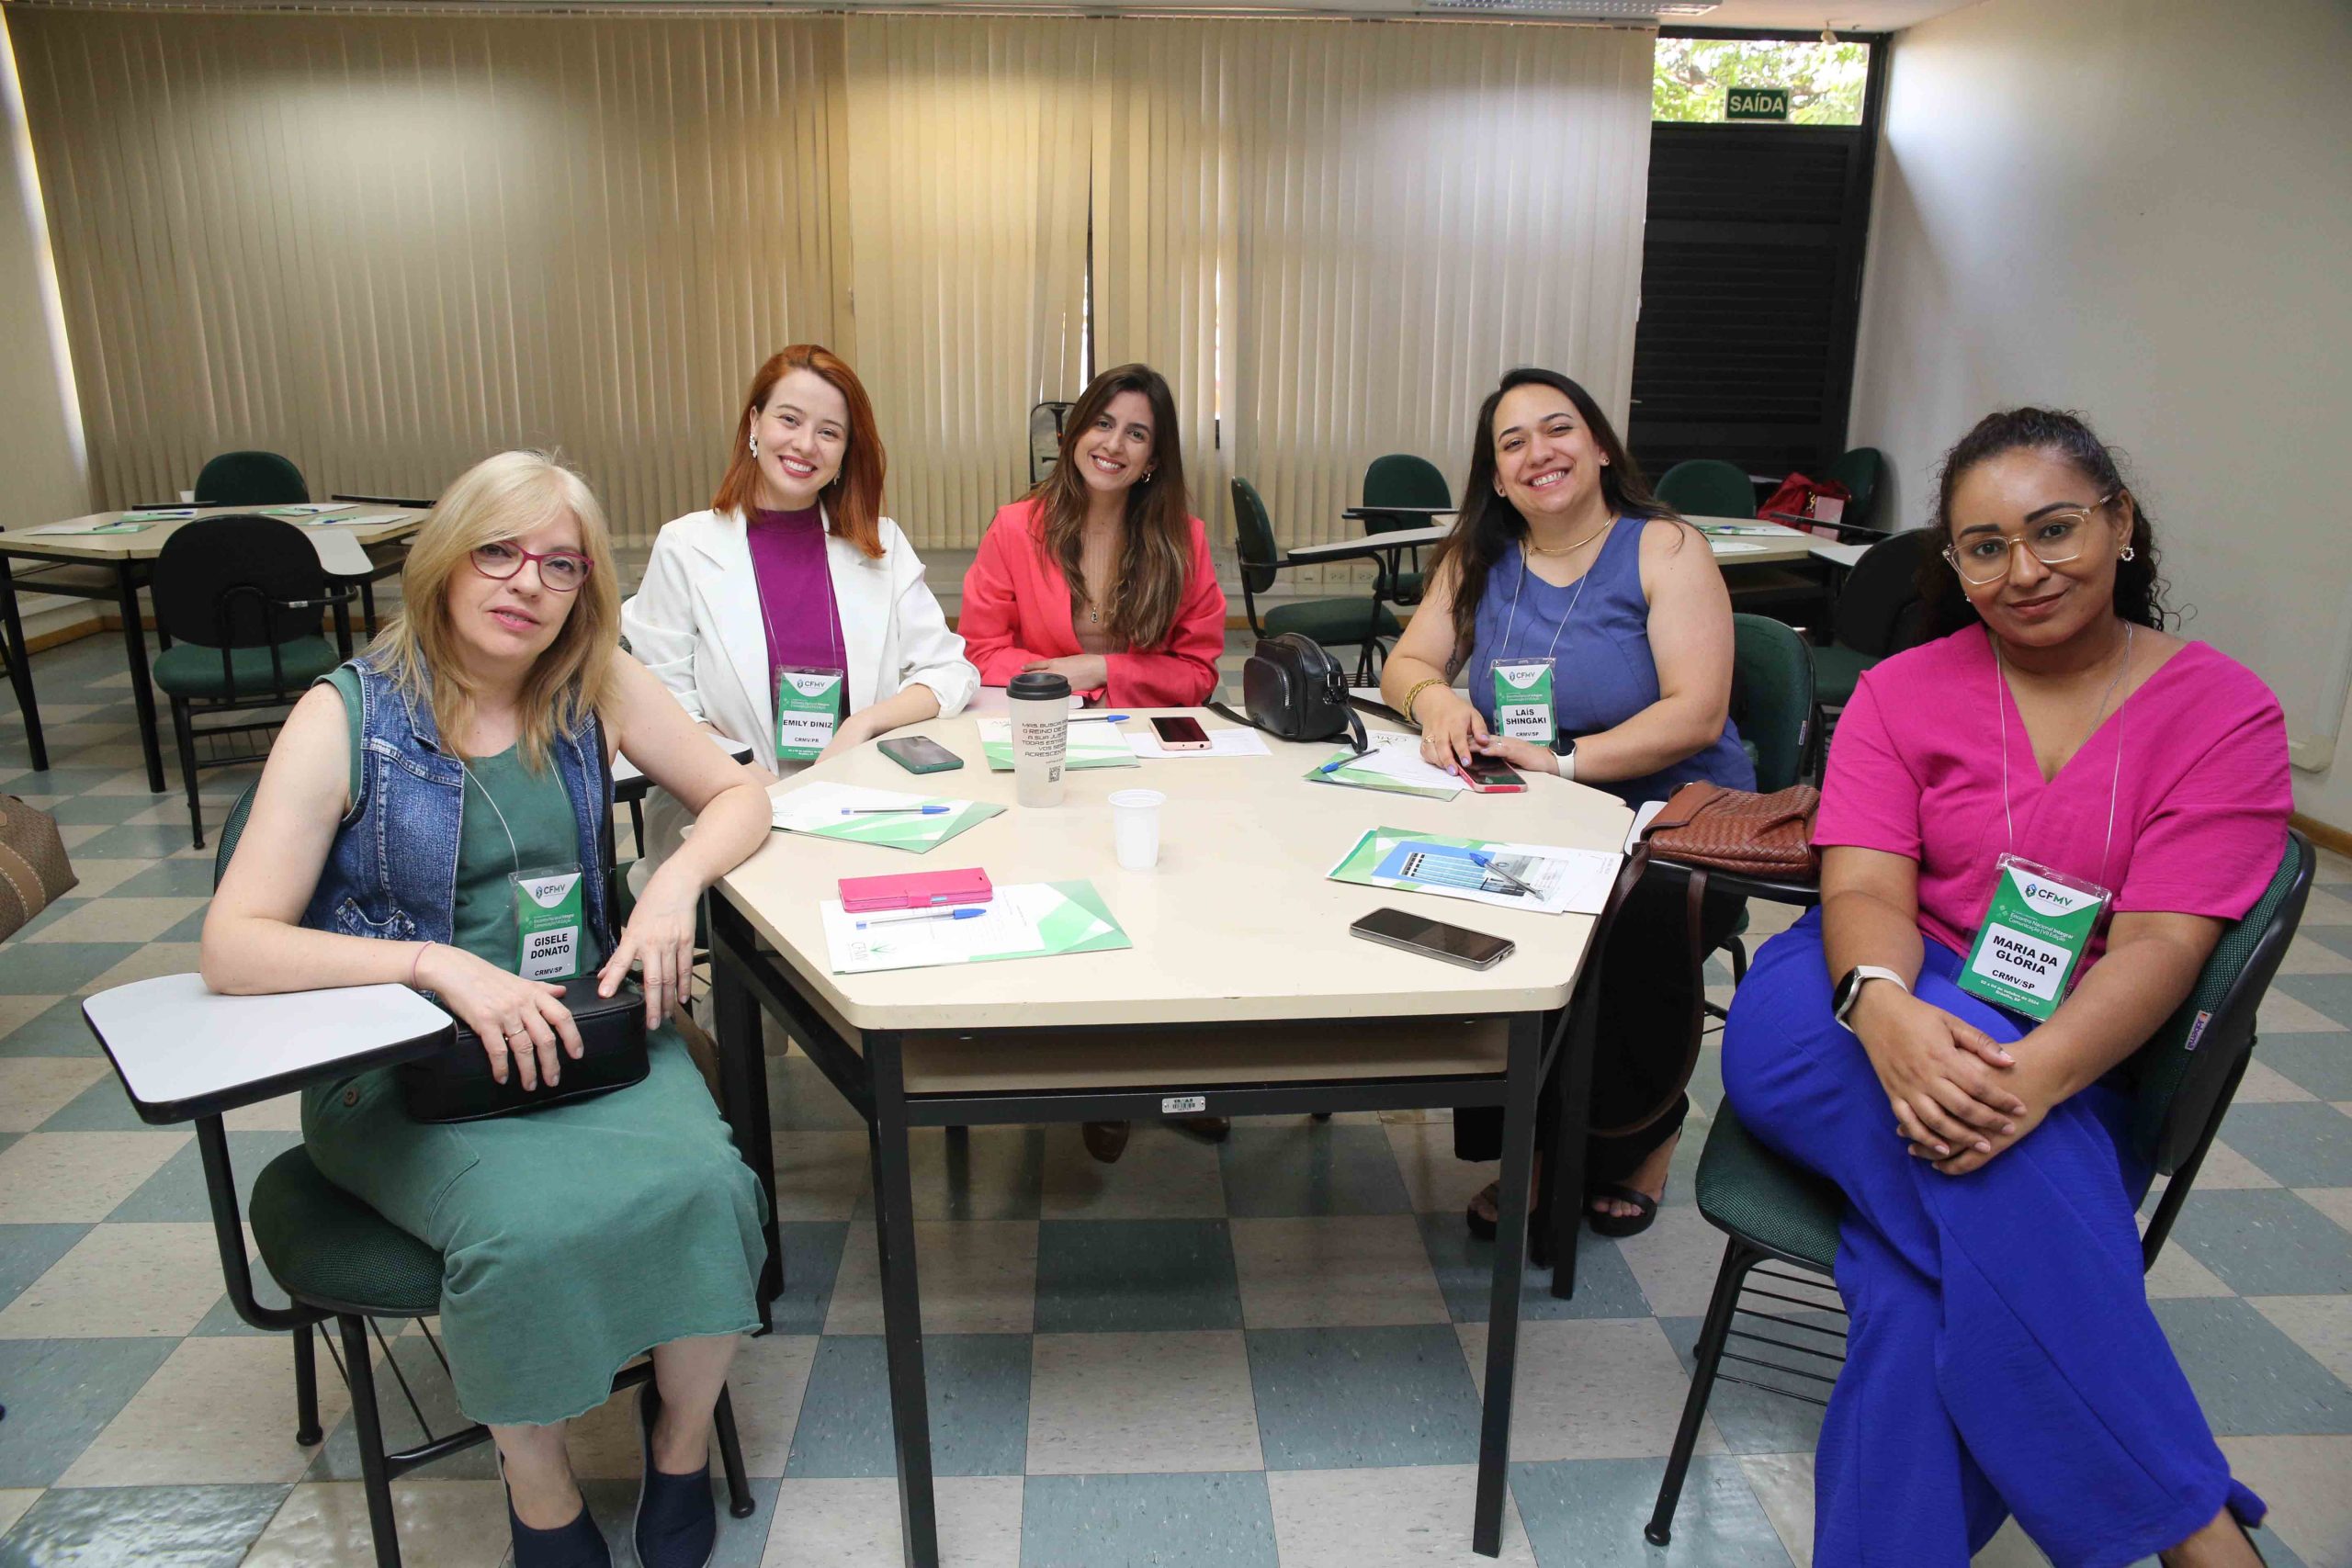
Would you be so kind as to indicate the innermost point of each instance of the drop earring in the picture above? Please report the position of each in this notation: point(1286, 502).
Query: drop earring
point(755, 446)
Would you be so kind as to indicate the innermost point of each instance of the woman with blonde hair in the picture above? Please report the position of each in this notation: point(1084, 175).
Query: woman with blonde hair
point(792, 615)
point(407, 797)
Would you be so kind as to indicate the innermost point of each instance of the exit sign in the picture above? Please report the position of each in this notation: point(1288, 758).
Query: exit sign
point(1757, 103)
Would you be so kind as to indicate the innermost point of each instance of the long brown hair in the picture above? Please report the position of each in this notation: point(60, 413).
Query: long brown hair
point(505, 497)
point(1158, 553)
point(1490, 525)
point(853, 500)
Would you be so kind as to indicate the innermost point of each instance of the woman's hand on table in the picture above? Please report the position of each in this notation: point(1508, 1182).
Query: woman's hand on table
point(1450, 728)
point(522, 1026)
point(660, 938)
point(1085, 671)
point(1524, 755)
point(1950, 1085)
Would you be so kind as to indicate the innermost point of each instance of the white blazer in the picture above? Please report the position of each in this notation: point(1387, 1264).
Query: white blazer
point(694, 622)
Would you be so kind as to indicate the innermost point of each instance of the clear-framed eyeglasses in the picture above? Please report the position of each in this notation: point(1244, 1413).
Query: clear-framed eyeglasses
point(2054, 539)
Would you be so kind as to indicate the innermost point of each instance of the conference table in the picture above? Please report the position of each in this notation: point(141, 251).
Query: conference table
point(119, 565)
point(1243, 994)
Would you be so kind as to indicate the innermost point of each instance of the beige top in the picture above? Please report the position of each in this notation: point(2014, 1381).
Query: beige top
point(148, 543)
point(1237, 921)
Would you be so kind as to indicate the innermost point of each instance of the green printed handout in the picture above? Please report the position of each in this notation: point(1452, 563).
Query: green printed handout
point(1093, 743)
point(1024, 920)
point(887, 817)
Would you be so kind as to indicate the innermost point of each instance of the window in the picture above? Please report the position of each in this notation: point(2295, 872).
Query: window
point(1692, 77)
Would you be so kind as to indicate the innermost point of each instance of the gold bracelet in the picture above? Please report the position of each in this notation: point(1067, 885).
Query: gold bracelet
point(1414, 696)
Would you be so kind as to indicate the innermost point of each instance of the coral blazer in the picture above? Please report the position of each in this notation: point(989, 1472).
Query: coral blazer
point(1016, 611)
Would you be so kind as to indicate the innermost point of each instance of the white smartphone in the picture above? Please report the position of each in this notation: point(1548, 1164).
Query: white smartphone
point(1178, 733)
point(1434, 939)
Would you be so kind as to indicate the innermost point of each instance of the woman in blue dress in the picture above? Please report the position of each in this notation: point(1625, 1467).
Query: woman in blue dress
point(1562, 553)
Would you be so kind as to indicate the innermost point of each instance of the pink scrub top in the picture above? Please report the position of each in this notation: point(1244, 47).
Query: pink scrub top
point(2200, 802)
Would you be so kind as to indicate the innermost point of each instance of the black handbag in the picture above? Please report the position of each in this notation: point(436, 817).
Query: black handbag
point(455, 1085)
point(1294, 690)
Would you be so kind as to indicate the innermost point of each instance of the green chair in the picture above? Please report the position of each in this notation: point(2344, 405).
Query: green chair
point(1708, 487)
point(2184, 1078)
point(239, 599)
point(1772, 704)
point(336, 1257)
point(1878, 612)
point(1863, 473)
point(1414, 487)
point(1334, 623)
point(250, 478)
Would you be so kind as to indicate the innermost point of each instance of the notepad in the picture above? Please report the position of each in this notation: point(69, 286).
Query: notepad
point(125, 526)
point(1026, 919)
point(820, 810)
point(306, 509)
point(1393, 764)
point(1091, 745)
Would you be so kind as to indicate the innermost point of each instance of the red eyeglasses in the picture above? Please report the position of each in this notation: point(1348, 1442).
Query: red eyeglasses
point(560, 571)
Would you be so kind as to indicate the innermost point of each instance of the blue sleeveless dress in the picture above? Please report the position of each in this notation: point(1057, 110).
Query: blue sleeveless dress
point(1602, 672)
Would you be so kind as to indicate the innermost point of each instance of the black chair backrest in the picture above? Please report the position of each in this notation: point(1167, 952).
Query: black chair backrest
point(230, 831)
point(1400, 479)
point(218, 582)
point(1861, 470)
point(251, 478)
point(1254, 537)
point(1879, 609)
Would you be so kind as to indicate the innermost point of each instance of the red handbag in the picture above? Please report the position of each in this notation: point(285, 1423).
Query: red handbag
point(1797, 495)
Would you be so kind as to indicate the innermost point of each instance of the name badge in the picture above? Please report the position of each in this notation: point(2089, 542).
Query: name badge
point(548, 916)
point(2035, 932)
point(808, 710)
point(1524, 700)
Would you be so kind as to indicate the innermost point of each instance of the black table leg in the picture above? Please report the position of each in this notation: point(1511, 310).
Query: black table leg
point(894, 1226)
point(142, 689)
point(744, 1073)
point(1572, 1080)
point(1523, 1084)
point(20, 668)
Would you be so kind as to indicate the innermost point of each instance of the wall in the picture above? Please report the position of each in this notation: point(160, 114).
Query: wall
point(2141, 208)
point(40, 429)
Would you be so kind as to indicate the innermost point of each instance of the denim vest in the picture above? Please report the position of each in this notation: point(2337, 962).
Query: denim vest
point(392, 871)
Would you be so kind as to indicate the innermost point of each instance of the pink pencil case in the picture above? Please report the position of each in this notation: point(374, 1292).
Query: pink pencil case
point(916, 890)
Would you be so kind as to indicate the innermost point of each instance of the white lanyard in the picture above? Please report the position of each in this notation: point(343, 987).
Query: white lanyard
point(2001, 701)
point(512, 852)
point(1511, 623)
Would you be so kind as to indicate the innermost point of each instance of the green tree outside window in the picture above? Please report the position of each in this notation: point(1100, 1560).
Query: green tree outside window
point(1825, 80)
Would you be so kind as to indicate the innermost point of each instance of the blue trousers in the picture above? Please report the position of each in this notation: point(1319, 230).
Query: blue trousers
point(2002, 1357)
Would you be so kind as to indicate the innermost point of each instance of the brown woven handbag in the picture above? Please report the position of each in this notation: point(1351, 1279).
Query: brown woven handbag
point(34, 872)
point(1736, 829)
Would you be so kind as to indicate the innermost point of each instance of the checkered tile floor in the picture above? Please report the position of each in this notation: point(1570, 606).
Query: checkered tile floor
point(1266, 1353)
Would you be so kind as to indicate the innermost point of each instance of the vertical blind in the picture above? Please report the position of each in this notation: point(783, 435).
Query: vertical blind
point(387, 245)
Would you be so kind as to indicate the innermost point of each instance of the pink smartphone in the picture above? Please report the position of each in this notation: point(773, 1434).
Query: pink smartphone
point(1179, 734)
point(916, 890)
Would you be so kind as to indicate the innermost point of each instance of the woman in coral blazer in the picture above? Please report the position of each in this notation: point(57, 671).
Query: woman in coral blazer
point(1102, 574)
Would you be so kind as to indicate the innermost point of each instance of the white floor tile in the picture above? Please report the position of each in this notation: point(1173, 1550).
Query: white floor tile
point(974, 1277)
point(1142, 1404)
point(1591, 1388)
point(120, 1282)
point(2321, 1325)
point(220, 1410)
point(854, 1524)
point(1356, 1270)
point(1384, 1518)
point(67, 1178)
point(448, 1523)
point(34, 1088)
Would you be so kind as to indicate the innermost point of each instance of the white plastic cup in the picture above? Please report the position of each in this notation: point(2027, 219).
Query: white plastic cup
point(1135, 827)
point(1038, 701)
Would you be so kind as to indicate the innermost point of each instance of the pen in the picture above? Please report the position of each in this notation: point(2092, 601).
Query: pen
point(934, 915)
point(893, 811)
point(1486, 862)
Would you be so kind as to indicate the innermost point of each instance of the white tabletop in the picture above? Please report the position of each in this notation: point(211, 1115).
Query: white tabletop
point(183, 1050)
point(1237, 921)
point(1396, 538)
point(339, 545)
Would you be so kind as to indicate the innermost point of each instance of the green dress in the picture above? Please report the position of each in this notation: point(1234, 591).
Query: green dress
point(573, 1238)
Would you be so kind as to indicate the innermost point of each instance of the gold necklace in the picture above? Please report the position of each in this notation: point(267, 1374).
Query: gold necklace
point(1534, 549)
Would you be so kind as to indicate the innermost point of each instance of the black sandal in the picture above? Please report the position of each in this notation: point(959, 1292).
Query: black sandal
point(1482, 1226)
point(1616, 1226)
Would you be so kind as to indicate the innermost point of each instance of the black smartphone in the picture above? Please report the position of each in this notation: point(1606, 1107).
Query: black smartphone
point(920, 754)
point(1179, 734)
point(1434, 939)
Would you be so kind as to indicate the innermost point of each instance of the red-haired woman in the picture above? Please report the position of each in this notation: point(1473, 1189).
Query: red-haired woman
point(792, 615)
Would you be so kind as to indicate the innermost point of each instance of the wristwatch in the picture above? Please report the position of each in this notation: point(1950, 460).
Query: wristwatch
point(1849, 989)
point(1567, 763)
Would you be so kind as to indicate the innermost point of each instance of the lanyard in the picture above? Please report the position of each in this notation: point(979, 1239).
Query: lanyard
point(1511, 623)
point(2001, 703)
point(512, 852)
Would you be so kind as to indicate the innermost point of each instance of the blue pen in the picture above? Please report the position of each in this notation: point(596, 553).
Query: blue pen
point(894, 811)
point(1333, 767)
point(934, 915)
point(1486, 862)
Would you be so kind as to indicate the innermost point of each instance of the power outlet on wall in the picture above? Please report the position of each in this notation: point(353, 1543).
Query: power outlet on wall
point(1307, 576)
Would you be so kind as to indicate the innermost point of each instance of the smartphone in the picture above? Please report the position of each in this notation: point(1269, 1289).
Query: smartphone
point(1181, 734)
point(920, 754)
point(1434, 939)
point(1488, 776)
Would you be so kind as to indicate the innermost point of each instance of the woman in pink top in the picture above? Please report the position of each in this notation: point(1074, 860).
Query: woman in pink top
point(2002, 1357)
point(1102, 574)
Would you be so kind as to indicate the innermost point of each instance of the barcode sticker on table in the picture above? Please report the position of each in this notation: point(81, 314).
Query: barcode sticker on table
point(1183, 1104)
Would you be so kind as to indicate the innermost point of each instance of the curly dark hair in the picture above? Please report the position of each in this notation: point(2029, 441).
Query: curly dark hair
point(2139, 585)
